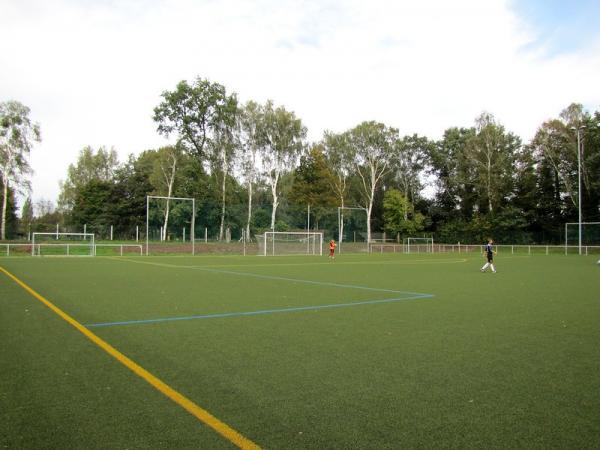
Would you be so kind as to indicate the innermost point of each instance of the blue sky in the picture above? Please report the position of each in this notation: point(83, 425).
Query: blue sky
point(560, 26)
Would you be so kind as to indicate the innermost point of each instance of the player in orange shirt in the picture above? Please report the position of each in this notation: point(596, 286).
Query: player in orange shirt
point(332, 249)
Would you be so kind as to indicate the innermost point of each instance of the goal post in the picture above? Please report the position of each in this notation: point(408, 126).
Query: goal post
point(419, 245)
point(63, 244)
point(192, 234)
point(275, 243)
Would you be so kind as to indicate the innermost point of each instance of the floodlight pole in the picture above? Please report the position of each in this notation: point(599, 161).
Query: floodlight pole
point(193, 226)
point(147, 223)
point(579, 130)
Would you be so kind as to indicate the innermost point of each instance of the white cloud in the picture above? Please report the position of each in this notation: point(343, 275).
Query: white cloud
point(92, 72)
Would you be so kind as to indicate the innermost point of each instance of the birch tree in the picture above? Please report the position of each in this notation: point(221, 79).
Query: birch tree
point(407, 162)
point(338, 154)
point(492, 153)
point(371, 143)
point(17, 136)
point(225, 145)
point(163, 177)
point(282, 135)
point(249, 124)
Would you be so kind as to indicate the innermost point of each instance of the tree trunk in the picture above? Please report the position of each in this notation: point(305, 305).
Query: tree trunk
point(170, 180)
point(222, 227)
point(274, 181)
point(4, 206)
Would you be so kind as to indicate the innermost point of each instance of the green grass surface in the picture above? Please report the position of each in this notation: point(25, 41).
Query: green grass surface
point(506, 360)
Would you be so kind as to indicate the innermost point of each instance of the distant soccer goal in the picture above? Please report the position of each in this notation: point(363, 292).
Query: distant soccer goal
point(418, 245)
point(275, 243)
point(62, 244)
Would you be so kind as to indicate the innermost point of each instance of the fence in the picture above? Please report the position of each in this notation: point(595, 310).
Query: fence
point(382, 247)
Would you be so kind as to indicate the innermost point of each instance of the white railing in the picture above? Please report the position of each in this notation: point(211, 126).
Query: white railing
point(120, 248)
point(7, 248)
point(10, 249)
point(379, 247)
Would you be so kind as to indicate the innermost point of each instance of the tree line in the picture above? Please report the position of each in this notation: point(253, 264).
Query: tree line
point(251, 168)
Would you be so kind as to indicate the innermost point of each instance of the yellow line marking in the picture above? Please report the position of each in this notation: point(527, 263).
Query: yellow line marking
point(204, 416)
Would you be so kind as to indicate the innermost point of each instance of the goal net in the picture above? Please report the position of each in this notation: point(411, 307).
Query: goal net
point(63, 244)
point(418, 245)
point(274, 243)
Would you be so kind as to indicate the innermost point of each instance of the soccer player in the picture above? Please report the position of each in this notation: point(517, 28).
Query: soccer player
point(332, 249)
point(489, 252)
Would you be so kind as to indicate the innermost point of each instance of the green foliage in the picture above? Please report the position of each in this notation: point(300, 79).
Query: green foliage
point(195, 113)
point(17, 136)
point(312, 181)
point(399, 215)
point(91, 165)
point(12, 221)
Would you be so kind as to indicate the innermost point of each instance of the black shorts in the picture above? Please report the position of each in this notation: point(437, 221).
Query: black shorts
point(490, 258)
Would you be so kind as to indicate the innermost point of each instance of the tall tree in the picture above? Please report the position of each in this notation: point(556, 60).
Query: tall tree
point(407, 164)
point(312, 183)
point(371, 143)
point(204, 117)
point(26, 216)
point(249, 125)
point(492, 153)
point(91, 165)
point(163, 178)
point(399, 214)
point(224, 148)
point(282, 136)
point(195, 113)
point(339, 158)
point(17, 136)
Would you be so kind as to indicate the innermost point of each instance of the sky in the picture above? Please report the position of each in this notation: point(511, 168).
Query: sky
point(92, 71)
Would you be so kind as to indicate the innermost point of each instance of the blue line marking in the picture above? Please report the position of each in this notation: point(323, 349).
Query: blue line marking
point(256, 313)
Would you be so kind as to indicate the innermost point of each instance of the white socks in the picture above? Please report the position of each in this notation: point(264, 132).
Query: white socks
point(488, 265)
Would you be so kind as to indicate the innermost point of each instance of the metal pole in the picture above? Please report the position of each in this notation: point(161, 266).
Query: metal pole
point(193, 226)
point(308, 229)
point(579, 182)
point(147, 204)
point(339, 233)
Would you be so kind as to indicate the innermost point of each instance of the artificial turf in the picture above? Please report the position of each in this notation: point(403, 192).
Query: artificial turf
point(452, 358)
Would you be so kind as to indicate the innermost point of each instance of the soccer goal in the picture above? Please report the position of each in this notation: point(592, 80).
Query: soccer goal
point(418, 245)
point(274, 243)
point(63, 244)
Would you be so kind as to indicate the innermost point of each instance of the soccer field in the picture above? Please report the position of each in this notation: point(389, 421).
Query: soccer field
point(380, 351)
